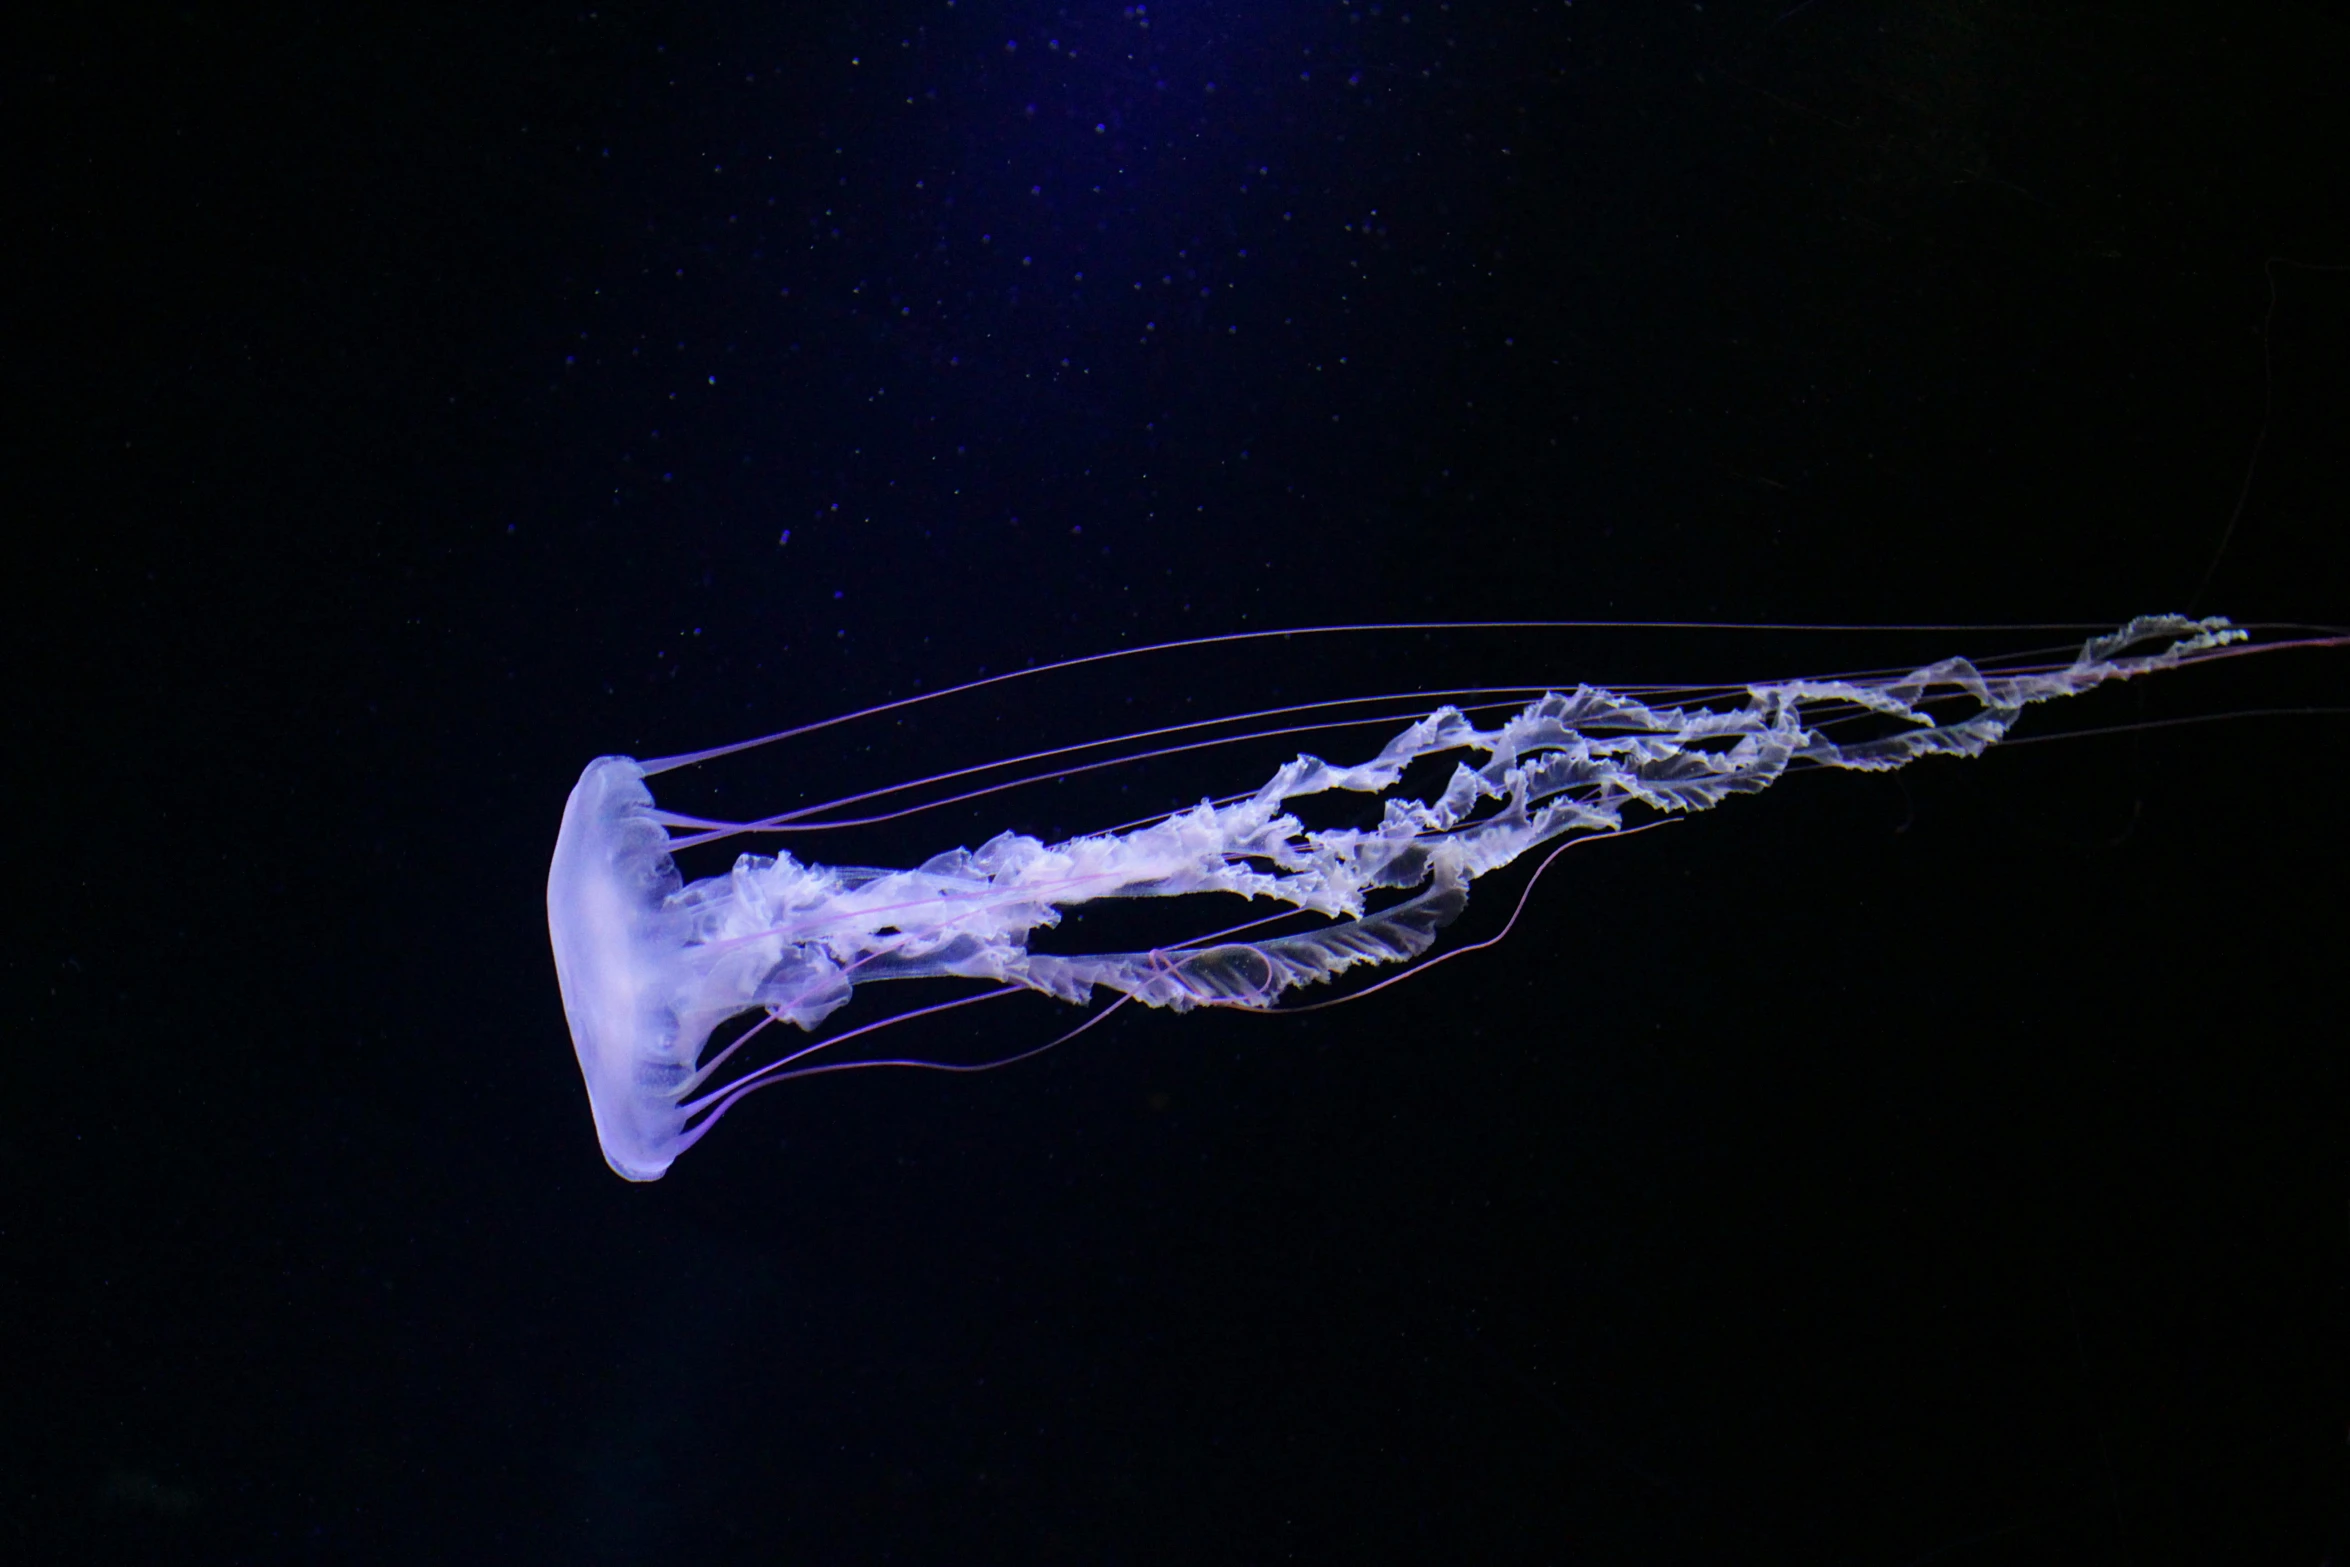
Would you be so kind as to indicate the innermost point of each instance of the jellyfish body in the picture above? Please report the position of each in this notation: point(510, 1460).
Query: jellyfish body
point(650, 964)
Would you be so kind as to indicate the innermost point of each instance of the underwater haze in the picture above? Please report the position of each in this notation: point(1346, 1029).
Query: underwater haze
point(415, 404)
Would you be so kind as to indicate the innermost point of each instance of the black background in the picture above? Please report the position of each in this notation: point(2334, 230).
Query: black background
point(410, 404)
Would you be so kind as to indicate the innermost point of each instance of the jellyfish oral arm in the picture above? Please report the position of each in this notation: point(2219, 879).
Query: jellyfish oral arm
point(650, 964)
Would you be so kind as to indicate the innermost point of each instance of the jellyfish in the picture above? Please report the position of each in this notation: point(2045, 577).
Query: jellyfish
point(650, 965)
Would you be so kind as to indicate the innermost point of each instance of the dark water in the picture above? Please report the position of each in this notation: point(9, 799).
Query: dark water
point(412, 405)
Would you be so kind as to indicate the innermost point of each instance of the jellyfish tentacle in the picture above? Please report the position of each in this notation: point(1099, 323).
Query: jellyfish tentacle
point(651, 964)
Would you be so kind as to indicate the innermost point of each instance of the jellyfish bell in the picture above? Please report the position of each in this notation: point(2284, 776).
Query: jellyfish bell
point(616, 939)
point(651, 964)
